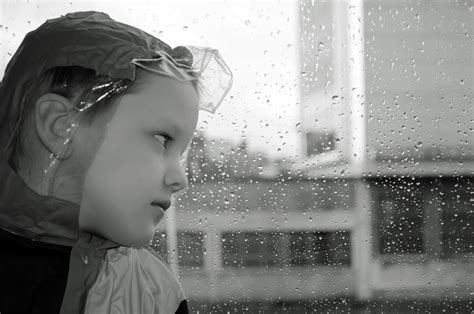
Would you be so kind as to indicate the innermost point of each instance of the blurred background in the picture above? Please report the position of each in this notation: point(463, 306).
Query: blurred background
point(338, 174)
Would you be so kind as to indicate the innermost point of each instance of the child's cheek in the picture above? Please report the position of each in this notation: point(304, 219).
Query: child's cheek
point(116, 201)
point(124, 178)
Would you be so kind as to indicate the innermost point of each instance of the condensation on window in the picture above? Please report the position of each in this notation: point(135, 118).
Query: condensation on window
point(338, 173)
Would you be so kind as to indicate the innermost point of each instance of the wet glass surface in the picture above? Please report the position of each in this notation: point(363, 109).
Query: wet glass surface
point(338, 173)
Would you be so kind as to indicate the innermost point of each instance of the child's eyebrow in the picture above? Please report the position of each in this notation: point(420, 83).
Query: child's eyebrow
point(172, 127)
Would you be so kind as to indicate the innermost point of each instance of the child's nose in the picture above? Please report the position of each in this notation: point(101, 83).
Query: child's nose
point(176, 179)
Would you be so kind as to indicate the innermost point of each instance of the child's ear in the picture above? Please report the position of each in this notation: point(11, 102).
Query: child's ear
point(52, 122)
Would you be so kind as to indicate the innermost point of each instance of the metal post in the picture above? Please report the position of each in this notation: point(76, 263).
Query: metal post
point(213, 258)
point(361, 244)
point(172, 239)
point(356, 83)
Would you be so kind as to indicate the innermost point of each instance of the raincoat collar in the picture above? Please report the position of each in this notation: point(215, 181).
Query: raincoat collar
point(41, 218)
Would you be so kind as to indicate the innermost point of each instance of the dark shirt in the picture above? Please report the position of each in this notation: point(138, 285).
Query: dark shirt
point(33, 275)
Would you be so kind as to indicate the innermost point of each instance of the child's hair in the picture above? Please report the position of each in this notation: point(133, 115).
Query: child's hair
point(74, 83)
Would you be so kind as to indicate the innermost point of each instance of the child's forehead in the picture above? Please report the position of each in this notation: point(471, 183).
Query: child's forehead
point(161, 100)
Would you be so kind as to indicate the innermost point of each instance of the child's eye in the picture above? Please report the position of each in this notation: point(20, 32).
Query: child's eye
point(164, 139)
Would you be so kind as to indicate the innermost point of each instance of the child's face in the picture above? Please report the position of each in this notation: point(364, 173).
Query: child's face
point(139, 163)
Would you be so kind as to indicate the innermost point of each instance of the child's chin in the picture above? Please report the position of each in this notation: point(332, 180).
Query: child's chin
point(140, 241)
point(131, 237)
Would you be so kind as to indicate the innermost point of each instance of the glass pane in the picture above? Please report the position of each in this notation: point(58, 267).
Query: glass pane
point(337, 175)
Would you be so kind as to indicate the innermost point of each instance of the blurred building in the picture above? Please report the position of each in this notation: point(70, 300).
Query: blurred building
point(414, 115)
point(380, 204)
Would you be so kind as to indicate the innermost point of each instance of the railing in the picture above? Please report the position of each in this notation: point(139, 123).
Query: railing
point(357, 221)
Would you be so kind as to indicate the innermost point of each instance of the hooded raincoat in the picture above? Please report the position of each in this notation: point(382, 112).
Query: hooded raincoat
point(47, 264)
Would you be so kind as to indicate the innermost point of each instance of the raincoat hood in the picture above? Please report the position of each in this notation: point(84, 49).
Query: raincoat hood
point(37, 217)
point(90, 40)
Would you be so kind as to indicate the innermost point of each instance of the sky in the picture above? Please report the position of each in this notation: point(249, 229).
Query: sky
point(257, 39)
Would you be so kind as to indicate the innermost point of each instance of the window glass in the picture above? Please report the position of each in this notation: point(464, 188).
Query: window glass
point(337, 175)
point(190, 249)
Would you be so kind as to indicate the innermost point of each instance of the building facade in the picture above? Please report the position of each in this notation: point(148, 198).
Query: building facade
point(395, 223)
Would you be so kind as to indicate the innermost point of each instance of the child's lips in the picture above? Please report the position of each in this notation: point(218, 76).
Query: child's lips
point(158, 213)
point(160, 208)
point(164, 205)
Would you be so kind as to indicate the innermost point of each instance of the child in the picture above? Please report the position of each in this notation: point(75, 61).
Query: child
point(95, 118)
